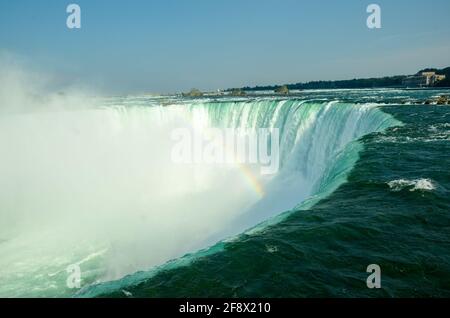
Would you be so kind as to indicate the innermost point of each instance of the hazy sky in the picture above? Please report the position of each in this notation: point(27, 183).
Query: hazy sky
point(174, 45)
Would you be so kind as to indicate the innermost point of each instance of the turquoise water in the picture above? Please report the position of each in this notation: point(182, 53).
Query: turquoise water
point(364, 180)
point(324, 251)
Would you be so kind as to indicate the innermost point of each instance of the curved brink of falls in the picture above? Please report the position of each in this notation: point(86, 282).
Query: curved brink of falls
point(318, 148)
point(96, 187)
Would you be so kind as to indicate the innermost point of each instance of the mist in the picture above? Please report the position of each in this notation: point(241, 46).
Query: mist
point(79, 181)
point(91, 181)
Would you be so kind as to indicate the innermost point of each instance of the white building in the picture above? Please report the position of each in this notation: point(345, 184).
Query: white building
point(423, 79)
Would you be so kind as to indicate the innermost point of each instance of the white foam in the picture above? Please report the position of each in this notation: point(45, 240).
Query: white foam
point(414, 185)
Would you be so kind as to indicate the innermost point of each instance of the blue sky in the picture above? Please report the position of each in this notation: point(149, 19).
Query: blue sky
point(174, 45)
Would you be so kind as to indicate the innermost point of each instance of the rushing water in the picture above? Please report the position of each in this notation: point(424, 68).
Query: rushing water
point(363, 179)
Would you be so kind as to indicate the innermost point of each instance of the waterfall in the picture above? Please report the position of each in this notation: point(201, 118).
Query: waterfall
point(96, 187)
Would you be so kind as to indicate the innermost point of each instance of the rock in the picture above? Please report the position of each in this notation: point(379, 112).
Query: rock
point(238, 92)
point(442, 100)
point(282, 90)
point(193, 93)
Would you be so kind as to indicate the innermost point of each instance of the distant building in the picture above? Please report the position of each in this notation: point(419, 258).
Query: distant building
point(423, 79)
